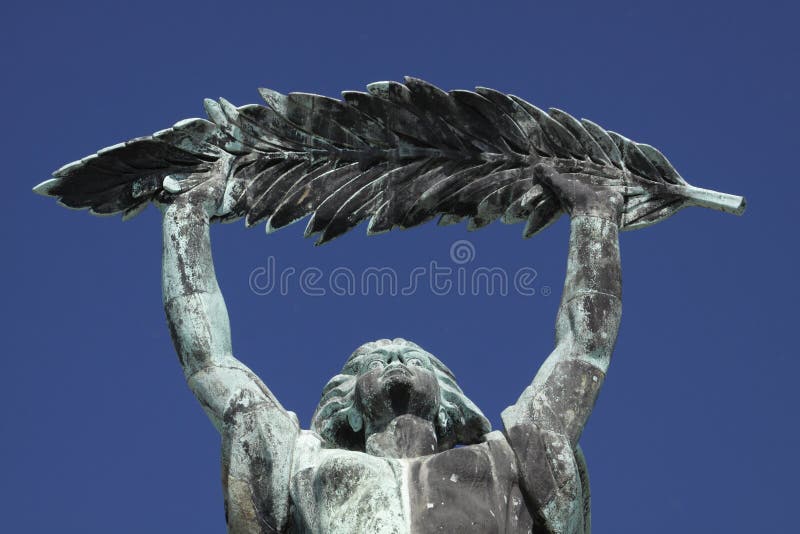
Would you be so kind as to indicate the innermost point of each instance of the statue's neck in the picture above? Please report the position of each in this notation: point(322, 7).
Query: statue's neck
point(406, 436)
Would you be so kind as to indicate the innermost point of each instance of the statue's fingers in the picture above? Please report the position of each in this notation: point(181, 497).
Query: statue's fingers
point(627, 190)
point(595, 180)
point(232, 193)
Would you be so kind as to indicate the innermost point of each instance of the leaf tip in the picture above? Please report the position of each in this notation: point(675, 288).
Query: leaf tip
point(45, 187)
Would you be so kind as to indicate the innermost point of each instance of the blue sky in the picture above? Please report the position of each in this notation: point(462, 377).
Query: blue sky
point(696, 427)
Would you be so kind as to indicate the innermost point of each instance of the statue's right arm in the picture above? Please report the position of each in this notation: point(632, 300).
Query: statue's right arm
point(563, 392)
point(258, 433)
point(545, 424)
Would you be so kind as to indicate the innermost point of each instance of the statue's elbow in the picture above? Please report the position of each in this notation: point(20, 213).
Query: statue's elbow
point(595, 349)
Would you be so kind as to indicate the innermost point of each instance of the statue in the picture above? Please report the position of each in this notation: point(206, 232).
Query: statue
point(395, 446)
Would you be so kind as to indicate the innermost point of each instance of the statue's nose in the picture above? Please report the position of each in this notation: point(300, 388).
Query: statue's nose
point(393, 359)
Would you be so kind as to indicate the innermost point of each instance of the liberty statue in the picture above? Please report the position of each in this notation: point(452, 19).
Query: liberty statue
point(395, 446)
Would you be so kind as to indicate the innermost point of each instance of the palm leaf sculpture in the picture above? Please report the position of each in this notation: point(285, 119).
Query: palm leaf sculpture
point(399, 154)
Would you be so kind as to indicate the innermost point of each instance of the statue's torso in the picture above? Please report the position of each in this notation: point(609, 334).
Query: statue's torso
point(466, 490)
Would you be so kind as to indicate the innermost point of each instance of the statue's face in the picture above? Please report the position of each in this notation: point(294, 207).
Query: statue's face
point(396, 380)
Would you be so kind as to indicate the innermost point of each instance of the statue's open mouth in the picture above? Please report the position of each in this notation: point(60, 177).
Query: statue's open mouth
point(399, 395)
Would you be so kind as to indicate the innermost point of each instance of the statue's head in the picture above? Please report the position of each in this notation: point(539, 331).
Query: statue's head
point(391, 377)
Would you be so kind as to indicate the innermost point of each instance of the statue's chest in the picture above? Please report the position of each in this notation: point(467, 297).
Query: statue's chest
point(467, 490)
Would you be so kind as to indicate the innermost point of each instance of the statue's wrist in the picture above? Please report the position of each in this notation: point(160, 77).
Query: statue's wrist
point(608, 207)
point(183, 212)
point(598, 212)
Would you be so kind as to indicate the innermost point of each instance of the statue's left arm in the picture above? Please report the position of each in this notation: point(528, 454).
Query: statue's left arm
point(544, 425)
point(258, 434)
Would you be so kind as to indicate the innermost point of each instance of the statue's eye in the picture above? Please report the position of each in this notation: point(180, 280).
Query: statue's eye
point(376, 364)
point(413, 361)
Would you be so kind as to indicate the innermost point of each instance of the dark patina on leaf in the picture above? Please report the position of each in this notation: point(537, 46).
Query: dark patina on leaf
point(399, 154)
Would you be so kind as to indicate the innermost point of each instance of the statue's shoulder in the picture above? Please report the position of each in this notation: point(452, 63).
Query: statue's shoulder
point(498, 445)
point(495, 438)
point(308, 448)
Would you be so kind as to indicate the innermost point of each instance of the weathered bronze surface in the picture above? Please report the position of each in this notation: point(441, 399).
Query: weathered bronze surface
point(398, 155)
point(395, 446)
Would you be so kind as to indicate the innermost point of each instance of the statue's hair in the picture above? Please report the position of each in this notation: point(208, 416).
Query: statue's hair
point(337, 418)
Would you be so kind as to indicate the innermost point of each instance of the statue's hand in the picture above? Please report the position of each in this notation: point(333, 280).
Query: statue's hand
point(212, 195)
point(582, 194)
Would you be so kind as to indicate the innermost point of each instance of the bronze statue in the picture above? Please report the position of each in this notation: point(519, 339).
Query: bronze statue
point(395, 446)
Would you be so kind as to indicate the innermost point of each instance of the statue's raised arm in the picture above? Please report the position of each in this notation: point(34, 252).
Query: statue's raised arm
point(258, 434)
point(545, 423)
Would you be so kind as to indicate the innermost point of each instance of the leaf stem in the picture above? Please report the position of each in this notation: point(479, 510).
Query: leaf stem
point(715, 200)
